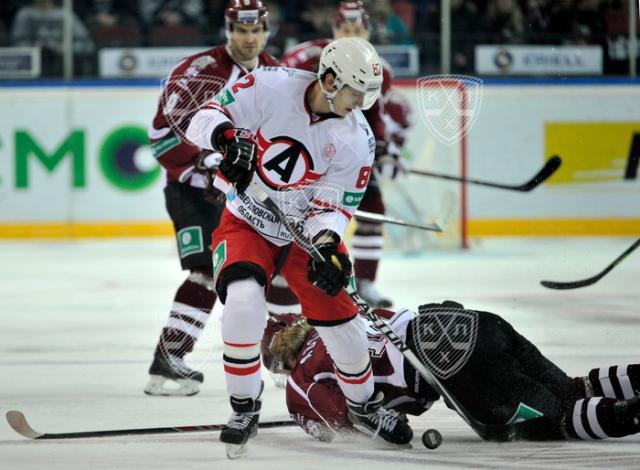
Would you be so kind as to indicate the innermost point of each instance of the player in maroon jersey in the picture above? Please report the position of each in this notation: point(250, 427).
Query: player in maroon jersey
point(352, 20)
point(505, 378)
point(192, 203)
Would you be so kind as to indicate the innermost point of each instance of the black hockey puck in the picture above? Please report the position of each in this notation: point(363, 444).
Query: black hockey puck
point(431, 439)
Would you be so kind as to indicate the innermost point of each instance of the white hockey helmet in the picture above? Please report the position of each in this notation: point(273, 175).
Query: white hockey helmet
point(354, 62)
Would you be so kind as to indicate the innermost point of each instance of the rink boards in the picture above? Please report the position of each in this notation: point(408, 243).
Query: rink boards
point(75, 160)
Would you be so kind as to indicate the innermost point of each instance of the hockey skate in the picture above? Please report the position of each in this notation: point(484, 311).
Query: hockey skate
point(168, 369)
point(629, 412)
point(369, 292)
point(372, 419)
point(242, 425)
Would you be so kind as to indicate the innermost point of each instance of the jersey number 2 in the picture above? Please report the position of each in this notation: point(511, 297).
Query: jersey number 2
point(247, 81)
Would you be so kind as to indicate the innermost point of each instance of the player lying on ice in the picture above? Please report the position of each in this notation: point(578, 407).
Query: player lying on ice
point(496, 374)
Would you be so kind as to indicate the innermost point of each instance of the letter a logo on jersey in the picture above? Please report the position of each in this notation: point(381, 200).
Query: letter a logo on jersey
point(284, 163)
point(444, 338)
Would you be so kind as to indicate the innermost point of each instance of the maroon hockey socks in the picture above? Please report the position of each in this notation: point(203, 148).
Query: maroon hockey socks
point(189, 314)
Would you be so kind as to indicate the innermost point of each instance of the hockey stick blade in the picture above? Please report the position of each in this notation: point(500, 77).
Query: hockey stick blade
point(593, 279)
point(545, 172)
point(372, 217)
point(447, 206)
point(19, 423)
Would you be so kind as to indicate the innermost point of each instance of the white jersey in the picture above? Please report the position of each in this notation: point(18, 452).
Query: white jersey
point(296, 149)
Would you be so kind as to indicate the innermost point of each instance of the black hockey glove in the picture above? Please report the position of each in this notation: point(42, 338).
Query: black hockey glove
point(240, 155)
point(207, 166)
point(332, 274)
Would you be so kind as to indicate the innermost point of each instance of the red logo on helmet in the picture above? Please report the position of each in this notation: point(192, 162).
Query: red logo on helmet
point(377, 69)
point(246, 11)
point(353, 12)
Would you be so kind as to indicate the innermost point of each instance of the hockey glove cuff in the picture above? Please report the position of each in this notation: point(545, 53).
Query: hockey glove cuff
point(332, 274)
point(240, 155)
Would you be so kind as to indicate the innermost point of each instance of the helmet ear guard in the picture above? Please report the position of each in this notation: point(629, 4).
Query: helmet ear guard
point(353, 62)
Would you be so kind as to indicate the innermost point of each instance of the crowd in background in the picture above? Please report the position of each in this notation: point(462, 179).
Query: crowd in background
point(125, 23)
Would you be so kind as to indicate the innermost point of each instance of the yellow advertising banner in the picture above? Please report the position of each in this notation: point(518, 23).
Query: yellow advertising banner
point(593, 151)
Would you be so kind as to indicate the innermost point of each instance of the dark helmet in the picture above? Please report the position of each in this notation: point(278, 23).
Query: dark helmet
point(354, 12)
point(246, 11)
point(275, 324)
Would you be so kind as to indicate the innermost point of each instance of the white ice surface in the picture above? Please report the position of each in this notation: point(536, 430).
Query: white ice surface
point(79, 321)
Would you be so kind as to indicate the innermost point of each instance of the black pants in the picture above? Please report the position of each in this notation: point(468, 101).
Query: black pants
point(505, 374)
point(194, 220)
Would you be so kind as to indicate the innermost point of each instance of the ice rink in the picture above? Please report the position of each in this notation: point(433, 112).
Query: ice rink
point(79, 321)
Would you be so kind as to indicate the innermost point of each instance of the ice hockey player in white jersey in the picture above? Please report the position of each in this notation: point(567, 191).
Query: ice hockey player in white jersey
point(293, 132)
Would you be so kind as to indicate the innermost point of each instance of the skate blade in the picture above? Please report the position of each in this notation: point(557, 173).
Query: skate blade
point(235, 451)
point(279, 380)
point(185, 387)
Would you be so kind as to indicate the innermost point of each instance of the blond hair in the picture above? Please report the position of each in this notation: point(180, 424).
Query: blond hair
point(286, 343)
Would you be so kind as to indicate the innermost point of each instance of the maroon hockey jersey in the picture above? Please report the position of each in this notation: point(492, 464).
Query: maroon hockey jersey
point(314, 398)
point(174, 154)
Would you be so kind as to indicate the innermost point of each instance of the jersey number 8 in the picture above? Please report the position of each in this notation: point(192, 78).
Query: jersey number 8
point(363, 177)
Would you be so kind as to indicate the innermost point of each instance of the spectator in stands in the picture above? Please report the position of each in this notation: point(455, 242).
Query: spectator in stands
point(213, 27)
point(537, 16)
point(464, 27)
point(110, 13)
point(504, 21)
point(114, 23)
point(41, 25)
point(8, 9)
point(316, 19)
point(386, 26)
point(172, 12)
point(589, 24)
point(464, 33)
point(578, 21)
point(561, 14)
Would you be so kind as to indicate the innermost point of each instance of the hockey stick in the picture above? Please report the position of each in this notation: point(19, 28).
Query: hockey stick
point(545, 172)
point(593, 279)
point(19, 423)
point(504, 432)
point(372, 217)
point(440, 224)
